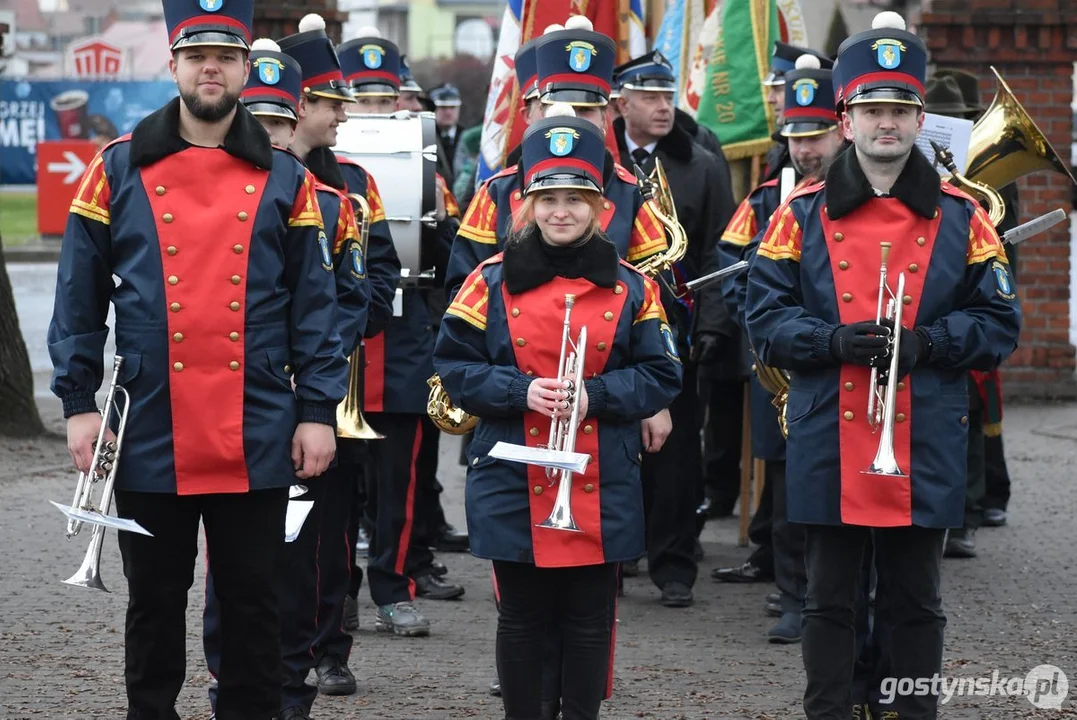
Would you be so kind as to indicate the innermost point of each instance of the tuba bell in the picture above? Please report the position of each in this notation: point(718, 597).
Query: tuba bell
point(449, 418)
point(1005, 145)
point(350, 421)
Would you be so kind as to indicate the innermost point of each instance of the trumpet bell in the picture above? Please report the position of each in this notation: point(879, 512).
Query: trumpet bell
point(884, 463)
point(560, 519)
point(89, 573)
point(350, 421)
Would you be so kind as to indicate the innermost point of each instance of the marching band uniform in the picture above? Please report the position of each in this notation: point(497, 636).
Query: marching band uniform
point(199, 232)
point(782, 60)
point(496, 335)
point(672, 477)
point(272, 90)
point(814, 276)
point(398, 363)
point(628, 221)
point(809, 110)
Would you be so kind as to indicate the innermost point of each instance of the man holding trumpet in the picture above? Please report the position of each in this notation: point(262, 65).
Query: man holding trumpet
point(858, 337)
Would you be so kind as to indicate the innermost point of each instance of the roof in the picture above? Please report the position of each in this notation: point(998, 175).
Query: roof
point(28, 17)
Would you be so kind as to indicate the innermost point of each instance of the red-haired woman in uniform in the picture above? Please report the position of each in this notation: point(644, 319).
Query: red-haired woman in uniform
point(497, 355)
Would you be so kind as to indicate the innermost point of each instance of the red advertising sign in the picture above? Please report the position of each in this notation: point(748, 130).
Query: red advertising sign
point(60, 165)
point(94, 59)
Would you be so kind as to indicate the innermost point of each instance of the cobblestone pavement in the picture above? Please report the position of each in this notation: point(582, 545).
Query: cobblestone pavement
point(1010, 609)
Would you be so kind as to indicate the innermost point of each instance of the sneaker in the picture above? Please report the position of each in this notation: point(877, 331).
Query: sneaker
point(401, 618)
point(994, 517)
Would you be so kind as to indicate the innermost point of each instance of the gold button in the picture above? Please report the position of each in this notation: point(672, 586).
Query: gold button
point(178, 367)
point(588, 429)
point(900, 417)
point(589, 488)
point(901, 386)
point(601, 346)
point(848, 415)
point(538, 489)
point(521, 342)
point(249, 189)
point(534, 432)
point(843, 265)
point(172, 279)
point(516, 312)
point(907, 299)
point(167, 217)
point(608, 315)
point(242, 216)
point(160, 189)
point(531, 373)
point(913, 267)
point(235, 279)
point(237, 249)
point(174, 307)
point(234, 305)
point(474, 462)
point(178, 337)
point(964, 419)
point(234, 365)
point(517, 195)
point(936, 214)
point(233, 336)
point(849, 386)
point(606, 205)
point(172, 250)
point(920, 241)
point(838, 237)
point(288, 369)
point(847, 297)
point(617, 290)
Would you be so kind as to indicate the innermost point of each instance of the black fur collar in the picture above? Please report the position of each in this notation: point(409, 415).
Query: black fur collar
point(528, 263)
point(677, 144)
point(847, 188)
point(323, 165)
point(157, 136)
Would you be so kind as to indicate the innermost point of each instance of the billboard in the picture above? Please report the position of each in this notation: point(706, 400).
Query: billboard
point(32, 111)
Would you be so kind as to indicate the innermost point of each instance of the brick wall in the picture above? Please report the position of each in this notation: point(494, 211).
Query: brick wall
point(1033, 45)
point(281, 18)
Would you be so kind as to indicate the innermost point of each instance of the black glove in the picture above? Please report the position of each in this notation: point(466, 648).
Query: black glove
point(862, 343)
point(915, 348)
point(705, 348)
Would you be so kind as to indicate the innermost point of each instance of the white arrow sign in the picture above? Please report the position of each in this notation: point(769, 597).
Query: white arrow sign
point(74, 167)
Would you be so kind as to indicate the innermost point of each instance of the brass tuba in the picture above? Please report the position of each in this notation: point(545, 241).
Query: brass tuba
point(446, 416)
point(655, 190)
point(350, 421)
point(776, 382)
point(1005, 145)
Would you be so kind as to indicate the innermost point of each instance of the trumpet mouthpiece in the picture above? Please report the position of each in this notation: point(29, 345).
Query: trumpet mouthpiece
point(885, 249)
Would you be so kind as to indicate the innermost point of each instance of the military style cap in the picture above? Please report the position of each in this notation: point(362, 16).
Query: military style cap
point(884, 64)
point(784, 58)
point(527, 70)
point(371, 64)
point(314, 52)
point(446, 95)
point(648, 72)
point(575, 64)
point(563, 151)
point(274, 84)
point(809, 100)
point(221, 23)
point(408, 83)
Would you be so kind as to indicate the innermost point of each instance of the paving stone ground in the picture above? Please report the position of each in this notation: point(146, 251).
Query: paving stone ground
point(1011, 609)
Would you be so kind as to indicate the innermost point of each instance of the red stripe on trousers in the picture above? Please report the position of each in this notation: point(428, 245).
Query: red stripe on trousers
point(409, 510)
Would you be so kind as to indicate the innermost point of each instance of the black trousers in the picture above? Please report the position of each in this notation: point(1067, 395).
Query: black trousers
point(671, 478)
point(533, 601)
point(761, 527)
point(722, 430)
point(976, 477)
point(908, 602)
point(244, 534)
point(396, 553)
point(429, 515)
point(788, 544)
point(997, 475)
point(336, 552)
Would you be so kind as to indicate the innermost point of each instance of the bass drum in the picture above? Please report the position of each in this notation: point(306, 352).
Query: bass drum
point(400, 152)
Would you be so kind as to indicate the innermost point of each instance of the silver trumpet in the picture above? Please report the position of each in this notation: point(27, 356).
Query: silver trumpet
point(103, 466)
point(882, 404)
point(570, 368)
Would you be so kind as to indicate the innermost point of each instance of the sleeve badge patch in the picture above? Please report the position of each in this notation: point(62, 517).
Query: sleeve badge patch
point(327, 258)
point(1003, 285)
point(669, 341)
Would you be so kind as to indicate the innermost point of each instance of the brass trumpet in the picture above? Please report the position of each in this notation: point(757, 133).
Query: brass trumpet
point(350, 421)
point(103, 466)
point(882, 405)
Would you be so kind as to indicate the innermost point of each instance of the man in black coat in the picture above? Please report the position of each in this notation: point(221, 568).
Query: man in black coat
point(703, 197)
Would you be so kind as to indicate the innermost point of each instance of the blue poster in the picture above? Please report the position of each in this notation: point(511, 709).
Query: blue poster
point(67, 110)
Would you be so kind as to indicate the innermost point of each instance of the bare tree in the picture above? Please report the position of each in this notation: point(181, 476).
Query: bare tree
point(19, 417)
